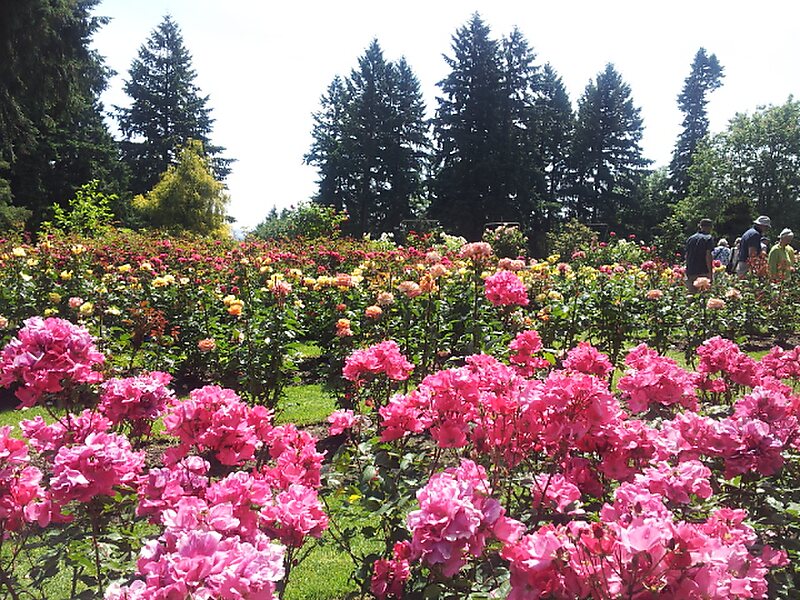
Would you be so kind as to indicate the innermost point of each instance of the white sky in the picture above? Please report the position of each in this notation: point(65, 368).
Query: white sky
point(266, 64)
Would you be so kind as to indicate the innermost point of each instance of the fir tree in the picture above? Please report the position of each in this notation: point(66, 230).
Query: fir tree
point(606, 155)
point(555, 123)
point(52, 135)
point(370, 144)
point(327, 150)
point(167, 110)
point(519, 160)
point(467, 132)
point(706, 76)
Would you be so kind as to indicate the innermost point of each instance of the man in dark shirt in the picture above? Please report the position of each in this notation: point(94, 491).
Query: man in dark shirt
point(750, 246)
point(698, 255)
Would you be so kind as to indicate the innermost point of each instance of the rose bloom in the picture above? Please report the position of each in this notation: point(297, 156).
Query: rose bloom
point(3, 322)
point(385, 299)
point(75, 301)
point(235, 308)
point(654, 294)
point(373, 312)
point(411, 289)
point(715, 304)
point(437, 270)
point(702, 283)
point(206, 345)
point(343, 328)
point(733, 294)
point(343, 280)
point(476, 251)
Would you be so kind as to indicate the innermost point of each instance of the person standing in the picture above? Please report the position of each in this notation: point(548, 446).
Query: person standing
point(722, 252)
point(781, 255)
point(698, 254)
point(750, 246)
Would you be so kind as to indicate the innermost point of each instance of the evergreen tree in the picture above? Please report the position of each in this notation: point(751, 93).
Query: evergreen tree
point(519, 160)
point(327, 150)
point(555, 123)
point(368, 112)
point(404, 149)
point(167, 110)
point(706, 76)
point(187, 197)
point(52, 135)
point(467, 183)
point(370, 144)
point(606, 155)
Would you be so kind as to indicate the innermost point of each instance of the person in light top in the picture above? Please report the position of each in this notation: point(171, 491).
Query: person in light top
point(781, 255)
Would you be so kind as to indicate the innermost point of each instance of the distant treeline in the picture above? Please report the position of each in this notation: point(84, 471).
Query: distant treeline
point(506, 143)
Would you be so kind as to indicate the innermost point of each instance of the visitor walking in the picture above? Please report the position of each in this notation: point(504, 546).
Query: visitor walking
point(750, 246)
point(698, 255)
point(781, 255)
point(722, 252)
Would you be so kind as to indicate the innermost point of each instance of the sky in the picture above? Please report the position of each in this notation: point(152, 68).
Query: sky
point(265, 65)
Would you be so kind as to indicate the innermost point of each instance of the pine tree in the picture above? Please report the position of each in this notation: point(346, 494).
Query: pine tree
point(404, 149)
point(327, 150)
point(370, 144)
point(167, 110)
point(519, 161)
point(52, 135)
point(555, 124)
point(606, 155)
point(467, 182)
point(706, 76)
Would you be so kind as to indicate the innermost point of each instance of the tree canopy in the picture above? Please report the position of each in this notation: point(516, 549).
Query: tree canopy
point(187, 197)
point(52, 135)
point(705, 77)
point(167, 110)
point(370, 143)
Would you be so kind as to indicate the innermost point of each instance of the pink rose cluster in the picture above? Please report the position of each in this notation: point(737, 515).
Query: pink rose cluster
point(476, 251)
point(294, 456)
point(384, 358)
point(781, 364)
point(137, 401)
point(94, 467)
point(639, 549)
point(390, 575)
point(47, 355)
point(215, 420)
point(722, 357)
point(457, 516)
point(585, 358)
point(219, 538)
point(490, 406)
point(22, 498)
point(655, 379)
point(341, 421)
point(485, 403)
point(523, 349)
point(71, 429)
point(199, 555)
point(505, 288)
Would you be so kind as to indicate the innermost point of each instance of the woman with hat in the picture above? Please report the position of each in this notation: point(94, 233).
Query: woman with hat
point(750, 246)
point(781, 255)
